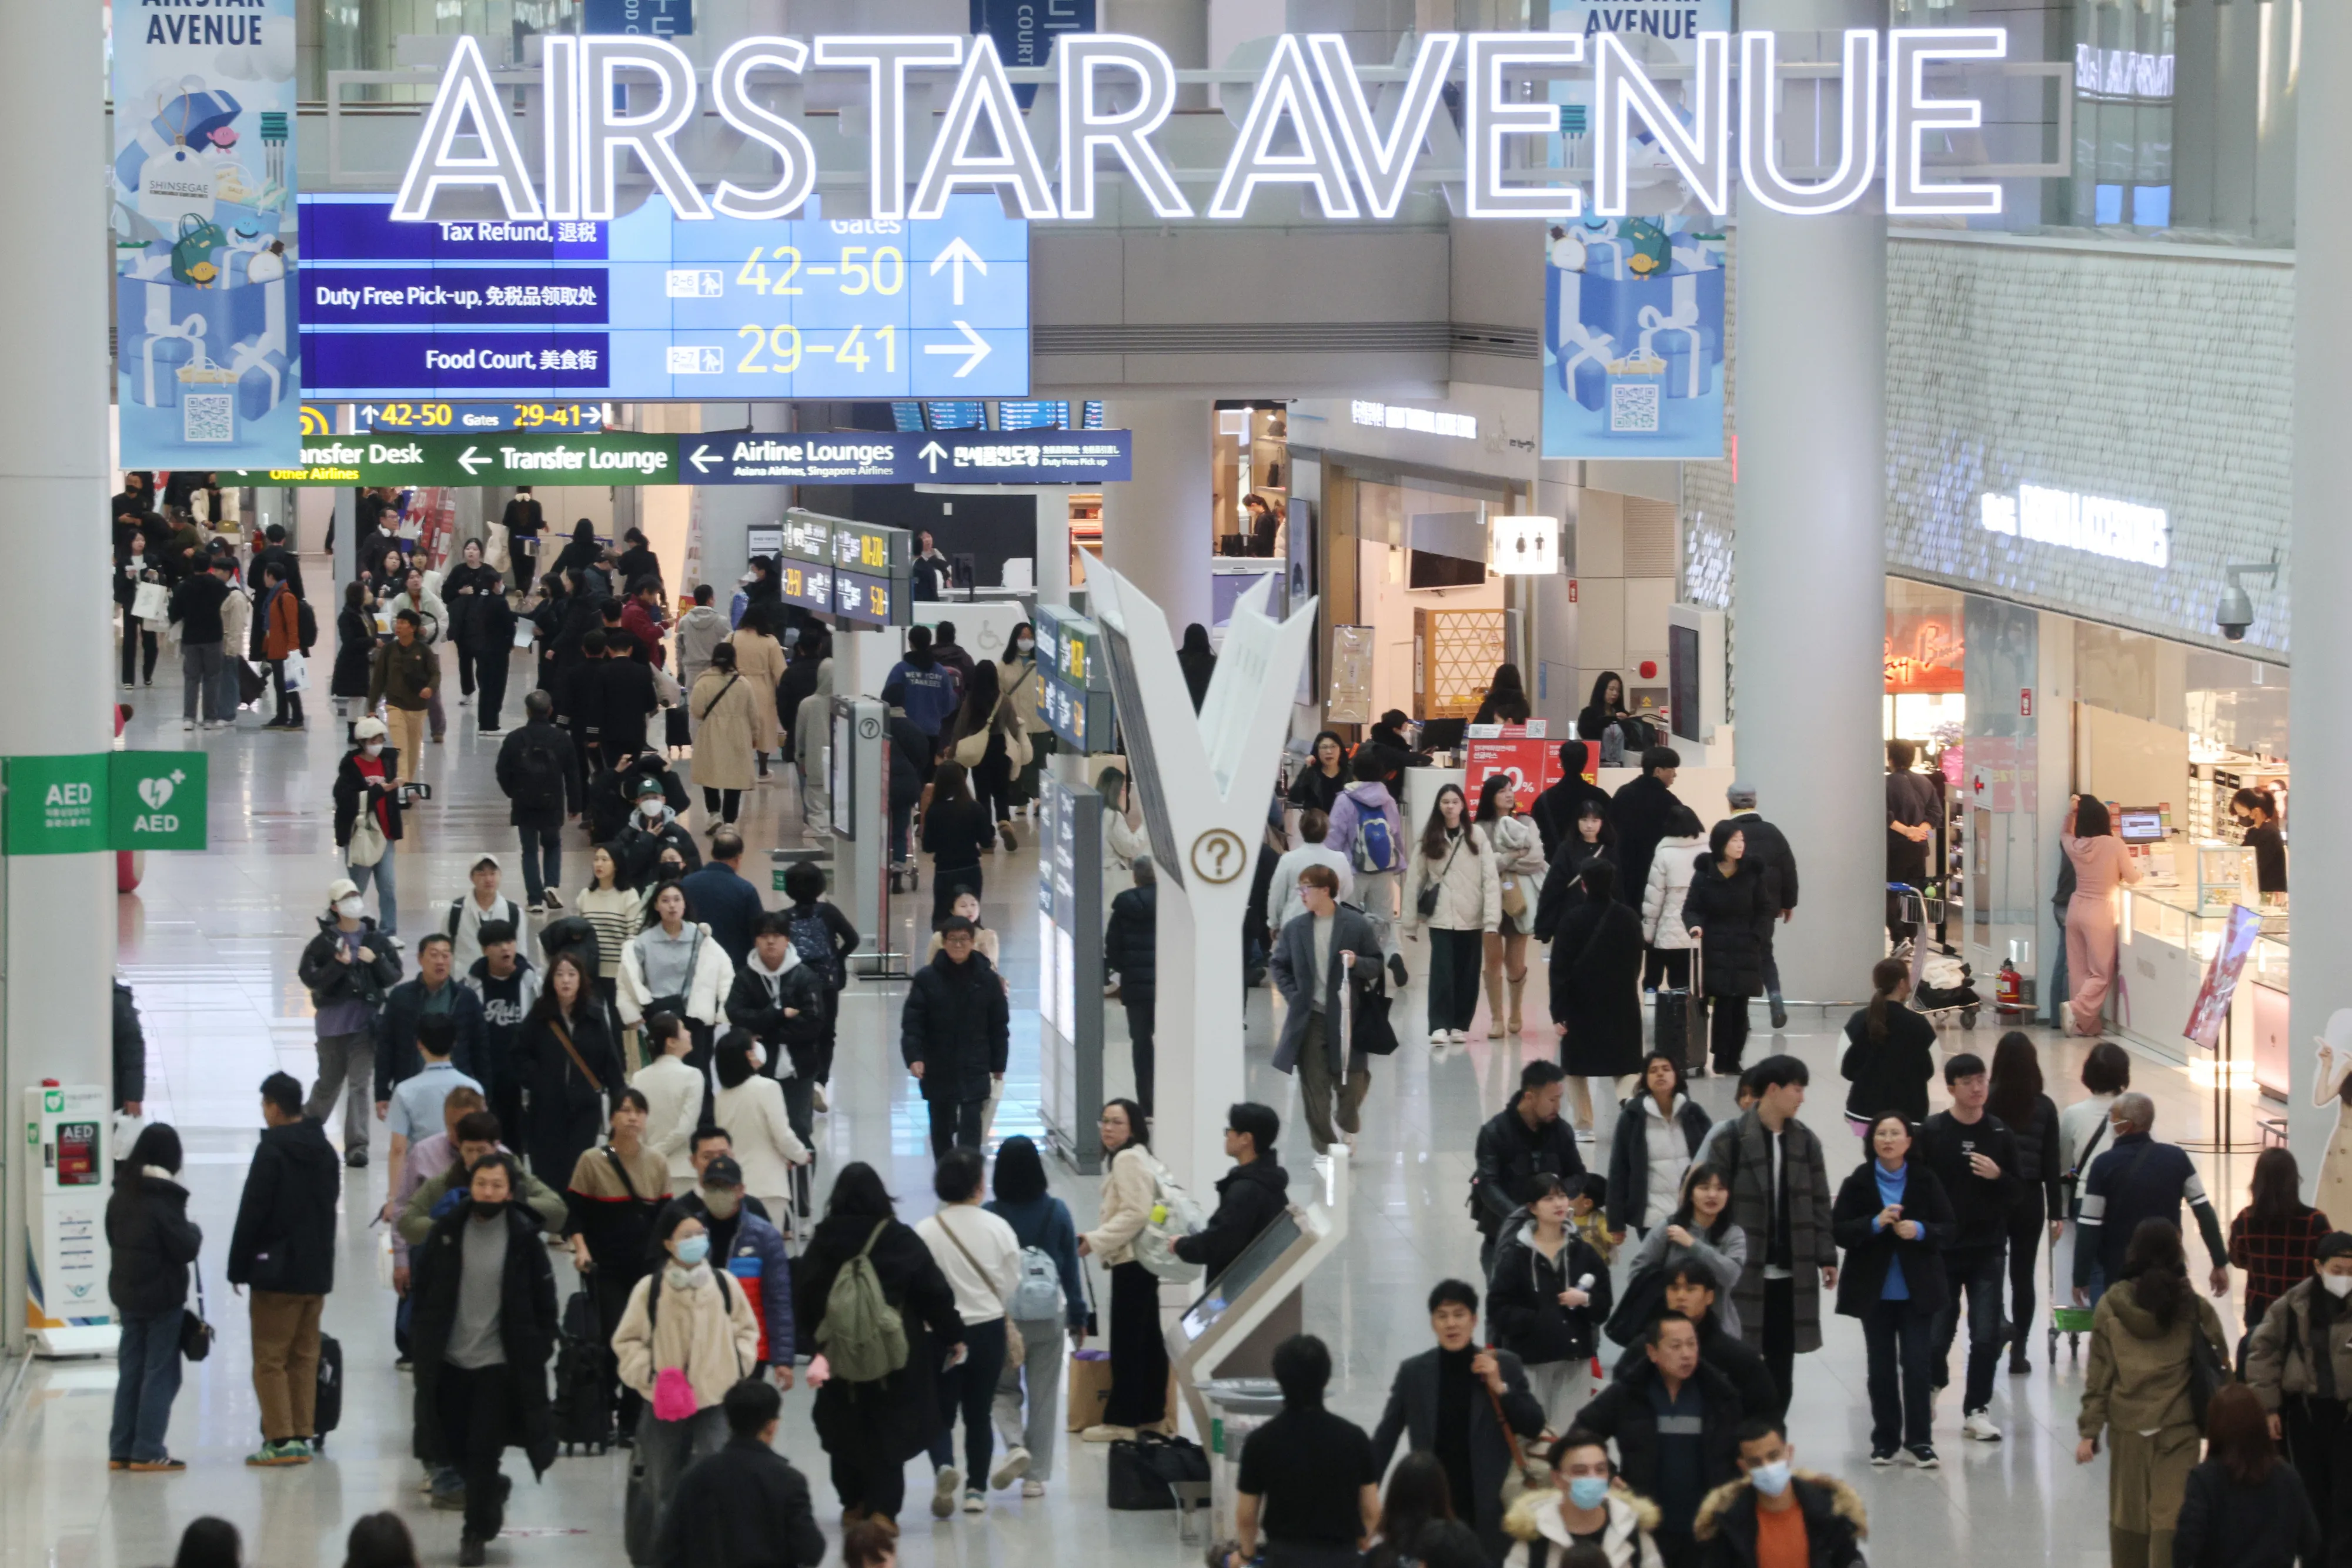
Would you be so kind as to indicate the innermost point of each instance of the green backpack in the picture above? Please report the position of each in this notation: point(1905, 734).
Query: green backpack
point(862, 1336)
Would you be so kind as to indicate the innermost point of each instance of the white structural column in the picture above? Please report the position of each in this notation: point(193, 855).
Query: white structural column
point(1156, 528)
point(57, 913)
point(1809, 580)
point(2318, 565)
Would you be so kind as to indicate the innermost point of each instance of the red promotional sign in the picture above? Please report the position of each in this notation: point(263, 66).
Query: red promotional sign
point(1523, 751)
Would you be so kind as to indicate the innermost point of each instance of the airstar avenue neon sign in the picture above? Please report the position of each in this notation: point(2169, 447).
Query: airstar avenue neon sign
point(1311, 124)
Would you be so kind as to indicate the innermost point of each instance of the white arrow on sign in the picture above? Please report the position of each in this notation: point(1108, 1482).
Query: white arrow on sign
point(471, 463)
point(932, 452)
point(959, 253)
point(368, 413)
point(975, 348)
point(701, 458)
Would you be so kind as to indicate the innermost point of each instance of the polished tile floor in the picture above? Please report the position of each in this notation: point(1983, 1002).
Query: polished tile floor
point(210, 943)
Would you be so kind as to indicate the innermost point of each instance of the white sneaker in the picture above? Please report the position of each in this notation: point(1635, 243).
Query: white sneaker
point(943, 1491)
point(1105, 1433)
point(187, 724)
point(1010, 1468)
point(816, 1098)
point(1033, 1489)
point(1977, 1424)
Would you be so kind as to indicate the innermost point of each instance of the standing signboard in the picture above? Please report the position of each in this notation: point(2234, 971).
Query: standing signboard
point(1070, 971)
point(208, 372)
point(1522, 750)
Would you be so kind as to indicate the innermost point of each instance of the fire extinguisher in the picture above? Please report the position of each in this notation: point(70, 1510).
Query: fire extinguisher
point(2011, 996)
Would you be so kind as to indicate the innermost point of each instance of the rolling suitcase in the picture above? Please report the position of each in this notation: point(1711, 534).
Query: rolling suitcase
point(582, 1407)
point(326, 1413)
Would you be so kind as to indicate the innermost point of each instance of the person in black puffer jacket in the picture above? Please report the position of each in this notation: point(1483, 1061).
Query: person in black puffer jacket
point(153, 1245)
point(1541, 1259)
point(955, 1034)
point(956, 832)
point(1131, 952)
point(1250, 1196)
point(283, 1249)
point(1730, 905)
point(1890, 1053)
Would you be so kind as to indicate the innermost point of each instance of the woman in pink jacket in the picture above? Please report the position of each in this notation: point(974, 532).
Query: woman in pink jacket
point(2102, 863)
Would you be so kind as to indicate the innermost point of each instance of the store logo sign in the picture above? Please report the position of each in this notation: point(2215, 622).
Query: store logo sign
point(2119, 530)
point(1395, 416)
point(1311, 124)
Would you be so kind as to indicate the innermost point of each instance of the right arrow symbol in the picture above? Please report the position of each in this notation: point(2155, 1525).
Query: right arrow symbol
point(959, 253)
point(975, 348)
point(932, 450)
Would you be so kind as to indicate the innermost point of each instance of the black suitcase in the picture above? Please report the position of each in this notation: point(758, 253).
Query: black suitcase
point(582, 1408)
point(675, 730)
point(326, 1413)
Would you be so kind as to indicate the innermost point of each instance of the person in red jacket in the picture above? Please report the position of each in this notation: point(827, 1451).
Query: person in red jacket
point(281, 638)
point(641, 618)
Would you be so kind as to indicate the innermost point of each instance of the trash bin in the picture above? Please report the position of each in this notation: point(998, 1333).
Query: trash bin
point(1242, 1405)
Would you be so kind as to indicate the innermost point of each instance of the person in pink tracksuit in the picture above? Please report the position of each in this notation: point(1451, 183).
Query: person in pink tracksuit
point(2102, 863)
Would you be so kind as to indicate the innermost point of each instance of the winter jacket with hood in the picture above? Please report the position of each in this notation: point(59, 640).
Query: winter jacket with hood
point(1563, 885)
point(1623, 1411)
point(152, 1244)
point(811, 730)
point(1249, 1199)
point(2136, 1379)
point(1734, 912)
point(284, 1239)
point(1629, 1153)
point(707, 989)
point(1523, 1311)
point(1539, 1537)
point(1511, 1154)
point(637, 847)
point(758, 997)
point(705, 1329)
point(1469, 890)
point(1130, 949)
point(1671, 869)
point(2280, 1360)
point(956, 1024)
point(1890, 1074)
point(1356, 802)
point(418, 1216)
point(527, 1325)
point(699, 629)
point(1835, 1525)
point(329, 980)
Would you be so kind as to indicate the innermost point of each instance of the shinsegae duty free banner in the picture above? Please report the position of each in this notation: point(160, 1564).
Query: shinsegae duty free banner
point(208, 361)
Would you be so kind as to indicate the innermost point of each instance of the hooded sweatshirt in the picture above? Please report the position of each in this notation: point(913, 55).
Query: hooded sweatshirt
point(699, 629)
point(932, 691)
point(2137, 1377)
point(813, 727)
point(756, 1002)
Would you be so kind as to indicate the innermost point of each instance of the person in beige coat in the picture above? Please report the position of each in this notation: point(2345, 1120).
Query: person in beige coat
point(759, 659)
point(1138, 1354)
point(685, 1348)
point(811, 734)
point(724, 711)
point(1454, 857)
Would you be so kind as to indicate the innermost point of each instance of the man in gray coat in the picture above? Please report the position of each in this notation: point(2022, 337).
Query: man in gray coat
point(1310, 966)
point(1780, 1198)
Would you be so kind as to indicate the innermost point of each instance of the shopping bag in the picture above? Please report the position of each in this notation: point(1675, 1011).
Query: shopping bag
point(297, 673)
point(152, 602)
point(1090, 1388)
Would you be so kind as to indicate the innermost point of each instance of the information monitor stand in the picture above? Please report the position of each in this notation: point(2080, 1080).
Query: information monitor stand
point(857, 786)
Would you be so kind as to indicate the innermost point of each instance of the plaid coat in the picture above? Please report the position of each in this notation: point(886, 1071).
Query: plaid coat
point(1810, 1246)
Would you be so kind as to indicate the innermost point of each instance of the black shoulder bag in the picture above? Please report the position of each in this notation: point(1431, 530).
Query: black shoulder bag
point(1427, 902)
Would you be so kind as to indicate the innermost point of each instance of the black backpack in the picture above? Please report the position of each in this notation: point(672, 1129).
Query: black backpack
point(307, 620)
point(582, 1408)
point(538, 771)
point(574, 934)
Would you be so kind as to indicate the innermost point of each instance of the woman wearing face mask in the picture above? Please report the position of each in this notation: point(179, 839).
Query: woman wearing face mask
point(1590, 1507)
point(1893, 1220)
point(610, 1204)
point(687, 1336)
point(750, 1105)
point(2308, 1396)
point(1021, 684)
point(366, 779)
point(571, 1069)
point(151, 1247)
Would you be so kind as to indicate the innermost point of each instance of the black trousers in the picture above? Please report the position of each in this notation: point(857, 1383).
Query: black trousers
point(1139, 1349)
point(2319, 1443)
point(522, 555)
point(490, 676)
point(1901, 1380)
point(139, 639)
point(722, 804)
point(2026, 1220)
point(1665, 968)
point(954, 1122)
point(473, 1409)
point(869, 1487)
point(992, 785)
point(969, 1389)
point(1140, 1023)
point(1456, 961)
point(1781, 1338)
point(1727, 1032)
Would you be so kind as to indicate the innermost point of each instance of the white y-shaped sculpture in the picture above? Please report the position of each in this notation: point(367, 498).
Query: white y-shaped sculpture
point(1206, 782)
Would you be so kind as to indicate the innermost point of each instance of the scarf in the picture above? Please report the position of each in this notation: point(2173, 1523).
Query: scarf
point(693, 1279)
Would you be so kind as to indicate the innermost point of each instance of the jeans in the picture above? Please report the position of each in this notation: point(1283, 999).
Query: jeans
point(1779, 1336)
point(230, 683)
point(954, 1124)
point(139, 642)
point(1139, 1349)
point(472, 1403)
point(1039, 1378)
point(1974, 1272)
point(387, 889)
point(346, 1065)
point(200, 672)
point(542, 859)
point(1376, 895)
point(970, 1389)
point(722, 804)
point(1901, 1399)
point(1456, 959)
point(285, 1362)
point(1141, 1020)
point(147, 1381)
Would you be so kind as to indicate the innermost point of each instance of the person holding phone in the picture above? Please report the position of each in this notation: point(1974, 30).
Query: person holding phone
point(1974, 1156)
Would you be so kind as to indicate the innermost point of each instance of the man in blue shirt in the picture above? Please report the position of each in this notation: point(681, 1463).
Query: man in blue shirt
point(722, 898)
point(415, 1109)
point(930, 689)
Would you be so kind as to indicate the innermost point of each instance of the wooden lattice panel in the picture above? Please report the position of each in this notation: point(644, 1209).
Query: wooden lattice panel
point(1458, 650)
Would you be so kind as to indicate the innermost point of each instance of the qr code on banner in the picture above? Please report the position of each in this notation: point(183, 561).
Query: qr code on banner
point(1634, 408)
point(208, 417)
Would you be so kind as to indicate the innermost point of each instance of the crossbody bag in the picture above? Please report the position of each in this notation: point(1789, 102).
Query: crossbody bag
point(1013, 1347)
point(1427, 902)
point(563, 1037)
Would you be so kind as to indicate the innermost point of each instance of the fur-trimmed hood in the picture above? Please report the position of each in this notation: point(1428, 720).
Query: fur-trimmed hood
point(1844, 1501)
point(1537, 1514)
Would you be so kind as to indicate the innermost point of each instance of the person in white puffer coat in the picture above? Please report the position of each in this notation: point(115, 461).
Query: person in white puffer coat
point(1668, 941)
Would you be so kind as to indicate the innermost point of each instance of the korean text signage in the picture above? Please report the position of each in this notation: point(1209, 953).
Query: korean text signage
point(93, 801)
point(1520, 750)
point(208, 372)
point(649, 305)
point(908, 457)
point(1311, 124)
point(859, 572)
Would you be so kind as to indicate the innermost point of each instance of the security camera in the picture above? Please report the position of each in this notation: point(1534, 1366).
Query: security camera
point(2236, 610)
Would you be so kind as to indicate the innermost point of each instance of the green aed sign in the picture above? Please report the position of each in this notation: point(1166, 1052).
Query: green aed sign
point(99, 800)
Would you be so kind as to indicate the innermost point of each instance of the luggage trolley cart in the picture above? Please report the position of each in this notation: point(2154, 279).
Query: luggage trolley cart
point(1915, 906)
point(2065, 1317)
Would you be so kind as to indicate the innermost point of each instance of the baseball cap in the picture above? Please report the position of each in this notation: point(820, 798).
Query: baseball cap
point(340, 888)
point(722, 1172)
point(1740, 794)
point(368, 729)
point(649, 786)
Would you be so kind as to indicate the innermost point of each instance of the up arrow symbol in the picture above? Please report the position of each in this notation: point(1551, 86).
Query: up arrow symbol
point(931, 454)
point(959, 253)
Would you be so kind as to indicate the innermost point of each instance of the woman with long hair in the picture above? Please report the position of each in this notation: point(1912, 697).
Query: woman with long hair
point(571, 1067)
point(1890, 1053)
point(1728, 909)
point(153, 1245)
point(749, 1104)
point(618, 914)
point(1893, 1220)
point(1520, 865)
point(1416, 1497)
point(2102, 863)
point(1700, 1230)
point(2244, 1507)
point(1324, 779)
point(1454, 863)
point(2016, 1097)
point(983, 735)
point(2275, 1238)
point(1197, 661)
point(957, 831)
point(871, 1426)
point(1607, 706)
point(1138, 1354)
point(2136, 1391)
point(1505, 700)
point(379, 1541)
point(723, 719)
point(760, 660)
point(610, 1204)
point(1589, 840)
point(1596, 1005)
point(1659, 1135)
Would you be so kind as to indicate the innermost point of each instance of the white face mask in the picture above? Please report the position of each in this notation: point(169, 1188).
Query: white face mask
point(1024, 643)
point(649, 808)
point(349, 908)
point(371, 748)
point(2337, 1285)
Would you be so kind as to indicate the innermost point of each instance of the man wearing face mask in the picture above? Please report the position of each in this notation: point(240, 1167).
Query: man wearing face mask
point(653, 829)
point(1778, 1516)
point(348, 968)
point(2309, 1397)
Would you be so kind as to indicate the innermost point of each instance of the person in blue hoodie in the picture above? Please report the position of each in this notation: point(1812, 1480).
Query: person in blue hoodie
point(929, 689)
point(1049, 1240)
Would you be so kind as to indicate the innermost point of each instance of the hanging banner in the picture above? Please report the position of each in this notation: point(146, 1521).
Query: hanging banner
point(208, 366)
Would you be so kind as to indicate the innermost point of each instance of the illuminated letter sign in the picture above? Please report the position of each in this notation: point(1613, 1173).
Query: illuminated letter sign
point(1760, 133)
point(1382, 164)
point(1911, 113)
point(1087, 126)
point(1285, 95)
point(466, 105)
point(605, 132)
point(796, 159)
point(1490, 118)
point(1702, 153)
point(982, 94)
point(885, 62)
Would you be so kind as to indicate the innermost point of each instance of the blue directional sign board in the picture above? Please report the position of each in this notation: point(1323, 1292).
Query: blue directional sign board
point(907, 457)
point(647, 306)
point(370, 417)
